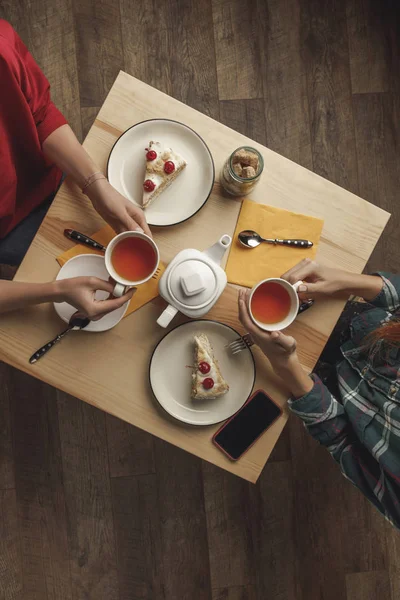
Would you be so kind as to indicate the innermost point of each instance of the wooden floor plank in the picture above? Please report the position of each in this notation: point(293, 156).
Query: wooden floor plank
point(53, 44)
point(137, 530)
point(393, 560)
point(7, 479)
point(237, 49)
point(368, 586)
point(244, 592)
point(98, 47)
point(229, 512)
point(87, 488)
point(141, 24)
point(326, 57)
point(14, 13)
point(39, 487)
point(369, 46)
point(284, 80)
point(130, 449)
point(273, 534)
point(179, 54)
point(282, 450)
point(10, 549)
point(182, 524)
point(192, 55)
point(319, 519)
point(378, 150)
point(364, 533)
point(245, 116)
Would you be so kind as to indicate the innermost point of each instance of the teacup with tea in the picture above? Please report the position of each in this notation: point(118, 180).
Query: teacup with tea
point(274, 303)
point(132, 258)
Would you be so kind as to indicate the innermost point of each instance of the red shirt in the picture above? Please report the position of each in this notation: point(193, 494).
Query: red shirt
point(27, 117)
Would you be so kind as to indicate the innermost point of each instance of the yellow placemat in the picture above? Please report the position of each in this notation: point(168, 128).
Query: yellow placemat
point(143, 294)
point(248, 266)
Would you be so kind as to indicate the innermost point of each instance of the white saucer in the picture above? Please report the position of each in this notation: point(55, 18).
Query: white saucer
point(88, 265)
point(191, 189)
point(171, 373)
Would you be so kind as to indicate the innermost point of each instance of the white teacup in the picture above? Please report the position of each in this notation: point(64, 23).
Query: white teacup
point(122, 285)
point(294, 304)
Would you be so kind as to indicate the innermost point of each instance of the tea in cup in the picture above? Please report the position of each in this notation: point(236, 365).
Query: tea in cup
point(131, 259)
point(274, 303)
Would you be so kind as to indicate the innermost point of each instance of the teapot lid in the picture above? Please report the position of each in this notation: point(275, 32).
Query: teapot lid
point(193, 283)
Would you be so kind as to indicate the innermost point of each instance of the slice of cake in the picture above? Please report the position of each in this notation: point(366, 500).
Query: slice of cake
point(207, 378)
point(163, 165)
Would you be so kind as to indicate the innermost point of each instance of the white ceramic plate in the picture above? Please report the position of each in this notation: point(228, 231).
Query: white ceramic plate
point(84, 265)
point(190, 190)
point(171, 375)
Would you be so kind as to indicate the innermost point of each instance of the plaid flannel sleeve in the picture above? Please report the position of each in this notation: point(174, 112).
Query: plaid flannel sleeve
point(389, 296)
point(326, 420)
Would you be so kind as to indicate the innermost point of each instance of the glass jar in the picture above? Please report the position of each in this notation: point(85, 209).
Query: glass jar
point(242, 171)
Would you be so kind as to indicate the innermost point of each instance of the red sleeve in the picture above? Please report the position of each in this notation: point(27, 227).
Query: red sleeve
point(34, 85)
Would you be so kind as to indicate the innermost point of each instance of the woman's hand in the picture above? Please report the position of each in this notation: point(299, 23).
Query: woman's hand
point(277, 347)
point(318, 280)
point(280, 349)
point(115, 209)
point(80, 292)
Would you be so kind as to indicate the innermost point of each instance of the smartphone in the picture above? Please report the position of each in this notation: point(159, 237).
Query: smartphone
point(240, 432)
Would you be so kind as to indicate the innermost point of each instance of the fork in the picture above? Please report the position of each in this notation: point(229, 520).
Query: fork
point(245, 341)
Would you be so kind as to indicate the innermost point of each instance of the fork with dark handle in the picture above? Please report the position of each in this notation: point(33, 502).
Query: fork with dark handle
point(76, 323)
point(305, 305)
point(83, 239)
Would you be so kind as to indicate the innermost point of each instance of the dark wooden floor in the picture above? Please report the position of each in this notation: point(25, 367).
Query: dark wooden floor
point(93, 508)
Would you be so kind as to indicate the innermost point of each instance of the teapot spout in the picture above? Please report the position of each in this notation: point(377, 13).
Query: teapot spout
point(217, 251)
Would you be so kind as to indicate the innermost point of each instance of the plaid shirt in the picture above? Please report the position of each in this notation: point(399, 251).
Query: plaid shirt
point(361, 429)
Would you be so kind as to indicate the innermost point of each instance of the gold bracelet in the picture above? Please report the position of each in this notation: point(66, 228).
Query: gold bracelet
point(91, 179)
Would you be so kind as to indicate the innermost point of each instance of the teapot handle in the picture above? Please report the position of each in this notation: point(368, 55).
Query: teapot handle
point(217, 251)
point(166, 316)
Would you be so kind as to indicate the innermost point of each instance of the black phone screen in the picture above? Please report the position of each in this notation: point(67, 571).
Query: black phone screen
point(247, 425)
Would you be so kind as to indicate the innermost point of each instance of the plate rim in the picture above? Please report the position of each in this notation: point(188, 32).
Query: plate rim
point(187, 422)
point(54, 303)
point(193, 131)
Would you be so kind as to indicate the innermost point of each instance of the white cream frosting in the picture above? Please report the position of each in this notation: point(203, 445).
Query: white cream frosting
point(154, 177)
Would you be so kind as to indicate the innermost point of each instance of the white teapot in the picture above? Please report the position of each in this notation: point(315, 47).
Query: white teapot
point(193, 281)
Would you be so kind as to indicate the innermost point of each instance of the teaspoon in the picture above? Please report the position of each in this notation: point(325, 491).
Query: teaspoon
point(251, 239)
point(76, 322)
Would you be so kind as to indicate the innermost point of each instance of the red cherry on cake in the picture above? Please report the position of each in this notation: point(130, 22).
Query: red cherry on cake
point(149, 185)
point(151, 155)
point(169, 167)
point(204, 367)
point(208, 383)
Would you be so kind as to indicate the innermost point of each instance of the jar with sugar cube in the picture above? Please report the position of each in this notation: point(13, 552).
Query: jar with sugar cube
point(242, 171)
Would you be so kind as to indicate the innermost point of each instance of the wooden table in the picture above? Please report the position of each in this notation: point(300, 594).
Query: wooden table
point(110, 370)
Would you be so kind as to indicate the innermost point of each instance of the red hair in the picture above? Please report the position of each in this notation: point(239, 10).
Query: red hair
point(388, 333)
